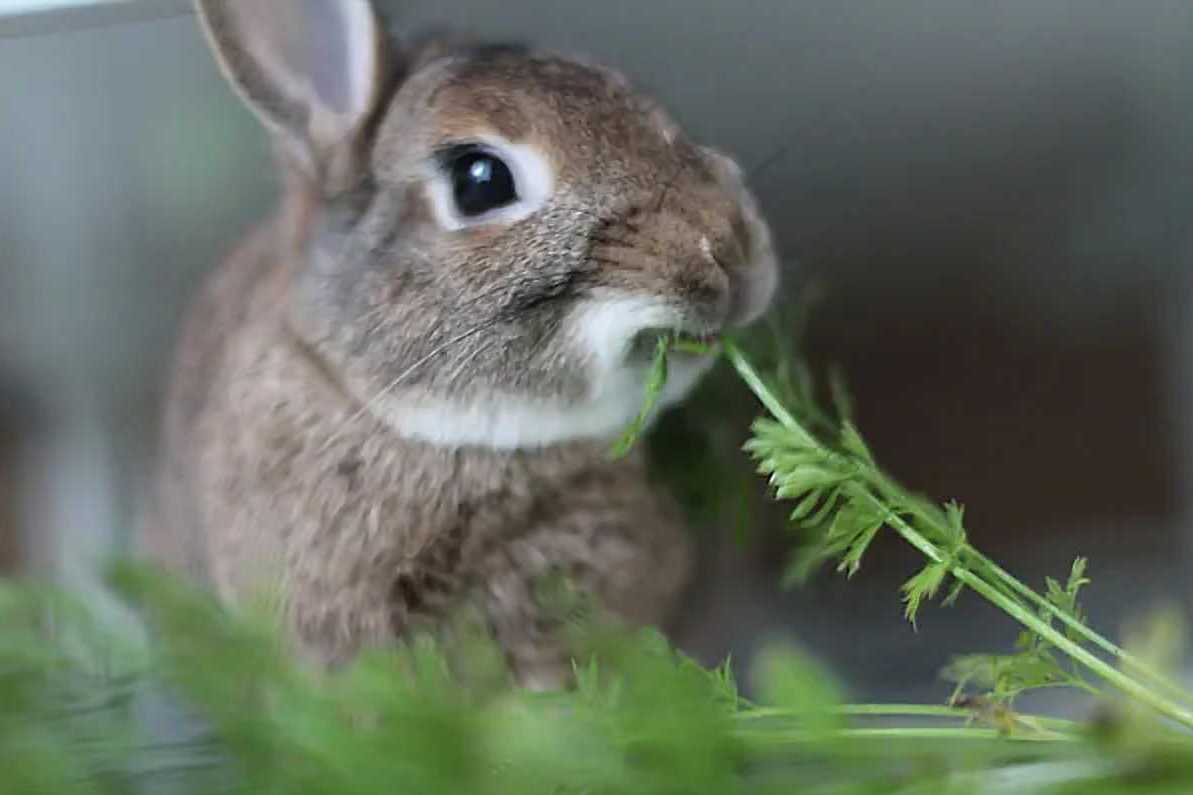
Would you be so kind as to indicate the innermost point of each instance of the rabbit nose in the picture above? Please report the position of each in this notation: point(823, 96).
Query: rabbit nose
point(727, 253)
point(704, 287)
point(724, 251)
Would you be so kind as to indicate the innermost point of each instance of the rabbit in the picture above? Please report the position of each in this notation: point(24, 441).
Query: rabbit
point(397, 395)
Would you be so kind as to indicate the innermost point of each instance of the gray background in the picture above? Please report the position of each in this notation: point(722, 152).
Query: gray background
point(995, 197)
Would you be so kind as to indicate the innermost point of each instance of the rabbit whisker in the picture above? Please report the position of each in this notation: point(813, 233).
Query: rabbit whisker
point(777, 155)
point(612, 242)
point(458, 371)
point(372, 402)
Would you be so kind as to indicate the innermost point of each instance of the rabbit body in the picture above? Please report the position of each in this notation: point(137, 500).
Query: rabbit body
point(274, 472)
point(398, 395)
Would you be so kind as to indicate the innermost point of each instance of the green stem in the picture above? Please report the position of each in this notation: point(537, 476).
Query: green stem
point(759, 388)
point(992, 593)
point(1033, 622)
point(904, 710)
point(865, 710)
point(1078, 683)
point(891, 489)
point(907, 711)
point(1126, 658)
point(899, 733)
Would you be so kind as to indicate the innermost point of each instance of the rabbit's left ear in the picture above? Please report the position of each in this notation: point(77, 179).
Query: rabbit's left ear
point(311, 70)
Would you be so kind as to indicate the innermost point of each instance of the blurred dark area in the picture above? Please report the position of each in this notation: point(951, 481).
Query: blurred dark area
point(992, 199)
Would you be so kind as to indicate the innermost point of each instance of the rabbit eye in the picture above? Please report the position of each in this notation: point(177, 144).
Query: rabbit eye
point(486, 181)
point(481, 182)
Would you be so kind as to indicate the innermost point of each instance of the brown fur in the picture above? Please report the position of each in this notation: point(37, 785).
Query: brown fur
point(276, 467)
point(364, 527)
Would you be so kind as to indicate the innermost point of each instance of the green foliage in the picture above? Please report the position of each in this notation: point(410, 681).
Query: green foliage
point(640, 719)
point(656, 379)
point(415, 718)
point(693, 447)
point(438, 714)
point(1037, 663)
point(843, 499)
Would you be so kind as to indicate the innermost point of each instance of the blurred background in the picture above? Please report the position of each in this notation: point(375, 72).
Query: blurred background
point(993, 200)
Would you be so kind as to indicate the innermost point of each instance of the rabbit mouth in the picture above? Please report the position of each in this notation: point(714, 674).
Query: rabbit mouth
point(685, 343)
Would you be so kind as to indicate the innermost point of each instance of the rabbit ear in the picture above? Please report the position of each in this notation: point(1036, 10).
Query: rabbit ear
point(309, 69)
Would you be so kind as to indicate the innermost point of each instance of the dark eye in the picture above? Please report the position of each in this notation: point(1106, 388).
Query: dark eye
point(481, 183)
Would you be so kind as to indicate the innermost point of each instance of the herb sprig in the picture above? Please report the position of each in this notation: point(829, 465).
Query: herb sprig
point(656, 380)
point(843, 499)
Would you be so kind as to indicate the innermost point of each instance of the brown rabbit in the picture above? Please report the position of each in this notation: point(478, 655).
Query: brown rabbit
point(399, 394)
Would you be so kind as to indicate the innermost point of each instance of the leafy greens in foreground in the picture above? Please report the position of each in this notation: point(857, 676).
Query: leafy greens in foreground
point(437, 715)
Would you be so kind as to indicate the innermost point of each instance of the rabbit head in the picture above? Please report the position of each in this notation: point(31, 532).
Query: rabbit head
point(487, 241)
